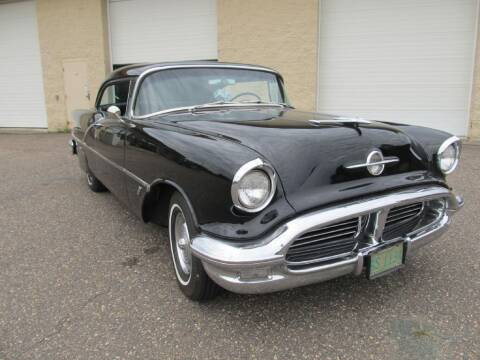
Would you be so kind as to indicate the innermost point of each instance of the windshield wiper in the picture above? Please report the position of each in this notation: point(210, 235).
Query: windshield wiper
point(266, 103)
point(212, 104)
point(222, 103)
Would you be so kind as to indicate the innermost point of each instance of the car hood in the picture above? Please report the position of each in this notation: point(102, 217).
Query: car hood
point(309, 151)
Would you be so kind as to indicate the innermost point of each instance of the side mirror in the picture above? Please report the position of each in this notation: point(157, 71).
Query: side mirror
point(114, 110)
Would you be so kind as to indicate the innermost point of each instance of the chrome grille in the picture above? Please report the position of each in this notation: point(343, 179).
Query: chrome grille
point(402, 219)
point(328, 242)
point(404, 213)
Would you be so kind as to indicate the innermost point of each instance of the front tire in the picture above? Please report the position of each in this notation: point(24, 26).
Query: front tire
point(191, 277)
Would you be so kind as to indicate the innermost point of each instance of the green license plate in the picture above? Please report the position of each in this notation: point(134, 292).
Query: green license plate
point(385, 261)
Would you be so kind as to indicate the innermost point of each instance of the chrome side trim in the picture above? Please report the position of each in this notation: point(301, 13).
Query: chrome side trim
point(245, 169)
point(166, 67)
point(115, 165)
point(142, 182)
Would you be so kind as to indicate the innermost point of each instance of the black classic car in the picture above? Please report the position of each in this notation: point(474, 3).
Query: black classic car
point(257, 196)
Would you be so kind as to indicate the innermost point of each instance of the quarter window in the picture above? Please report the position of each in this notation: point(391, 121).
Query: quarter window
point(115, 94)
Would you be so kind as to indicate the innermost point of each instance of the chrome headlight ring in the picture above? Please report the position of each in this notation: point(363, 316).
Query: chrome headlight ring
point(245, 169)
point(456, 144)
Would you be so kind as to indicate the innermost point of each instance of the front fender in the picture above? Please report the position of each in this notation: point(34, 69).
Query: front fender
point(203, 166)
point(426, 139)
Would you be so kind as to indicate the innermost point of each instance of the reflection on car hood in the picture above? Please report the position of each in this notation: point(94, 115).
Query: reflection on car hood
point(309, 150)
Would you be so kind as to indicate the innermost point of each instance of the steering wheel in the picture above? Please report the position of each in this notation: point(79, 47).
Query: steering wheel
point(246, 93)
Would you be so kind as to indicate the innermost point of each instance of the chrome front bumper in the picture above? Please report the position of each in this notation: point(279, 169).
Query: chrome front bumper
point(261, 267)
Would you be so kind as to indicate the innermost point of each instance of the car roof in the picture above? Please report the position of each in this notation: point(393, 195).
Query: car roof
point(138, 69)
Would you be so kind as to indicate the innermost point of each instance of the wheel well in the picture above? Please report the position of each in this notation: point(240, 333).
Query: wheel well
point(156, 203)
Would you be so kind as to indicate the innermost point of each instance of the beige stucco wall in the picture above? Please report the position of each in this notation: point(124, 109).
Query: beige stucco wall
point(71, 29)
point(282, 34)
point(474, 133)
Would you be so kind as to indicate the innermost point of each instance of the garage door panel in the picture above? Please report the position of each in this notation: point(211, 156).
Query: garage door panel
point(398, 7)
point(399, 46)
point(408, 59)
point(429, 118)
point(419, 72)
point(394, 22)
point(419, 98)
point(21, 94)
point(162, 30)
point(376, 4)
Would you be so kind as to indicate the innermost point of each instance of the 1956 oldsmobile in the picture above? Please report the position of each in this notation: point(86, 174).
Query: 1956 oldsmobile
point(257, 196)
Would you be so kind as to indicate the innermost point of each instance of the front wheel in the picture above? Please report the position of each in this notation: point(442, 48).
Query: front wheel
point(191, 277)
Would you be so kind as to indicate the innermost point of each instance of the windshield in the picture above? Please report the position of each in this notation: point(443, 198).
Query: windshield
point(176, 88)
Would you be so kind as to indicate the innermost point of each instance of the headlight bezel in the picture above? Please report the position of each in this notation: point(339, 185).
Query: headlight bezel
point(457, 144)
point(245, 169)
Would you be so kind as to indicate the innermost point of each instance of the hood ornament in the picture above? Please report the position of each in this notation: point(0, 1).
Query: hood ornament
point(341, 120)
point(375, 163)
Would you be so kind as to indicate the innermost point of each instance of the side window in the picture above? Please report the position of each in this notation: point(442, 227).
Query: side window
point(115, 94)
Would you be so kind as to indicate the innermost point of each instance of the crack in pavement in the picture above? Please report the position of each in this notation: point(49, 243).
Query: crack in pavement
point(57, 329)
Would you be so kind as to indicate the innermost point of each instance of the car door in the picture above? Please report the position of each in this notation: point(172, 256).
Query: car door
point(107, 136)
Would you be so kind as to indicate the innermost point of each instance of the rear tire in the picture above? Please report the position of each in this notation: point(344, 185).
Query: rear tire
point(191, 277)
point(93, 183)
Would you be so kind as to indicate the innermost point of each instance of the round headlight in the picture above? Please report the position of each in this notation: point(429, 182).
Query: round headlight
point(448, 155)
point(253, 189)
point(253, 186)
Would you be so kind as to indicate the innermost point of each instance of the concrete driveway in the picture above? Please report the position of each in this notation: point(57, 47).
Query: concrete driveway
point(82, 278)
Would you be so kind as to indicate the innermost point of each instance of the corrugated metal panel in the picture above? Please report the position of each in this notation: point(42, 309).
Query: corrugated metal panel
point(404, 61)
point(162, 30)
point(22, 100)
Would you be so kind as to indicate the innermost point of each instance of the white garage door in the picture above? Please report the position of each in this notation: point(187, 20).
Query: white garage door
point(22, 103)
point(162, 30)
point(398, 60)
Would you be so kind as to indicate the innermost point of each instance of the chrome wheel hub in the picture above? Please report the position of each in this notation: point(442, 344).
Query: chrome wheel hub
point(182, 243)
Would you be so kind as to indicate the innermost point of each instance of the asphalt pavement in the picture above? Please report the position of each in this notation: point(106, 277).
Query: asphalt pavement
point(83, 278)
